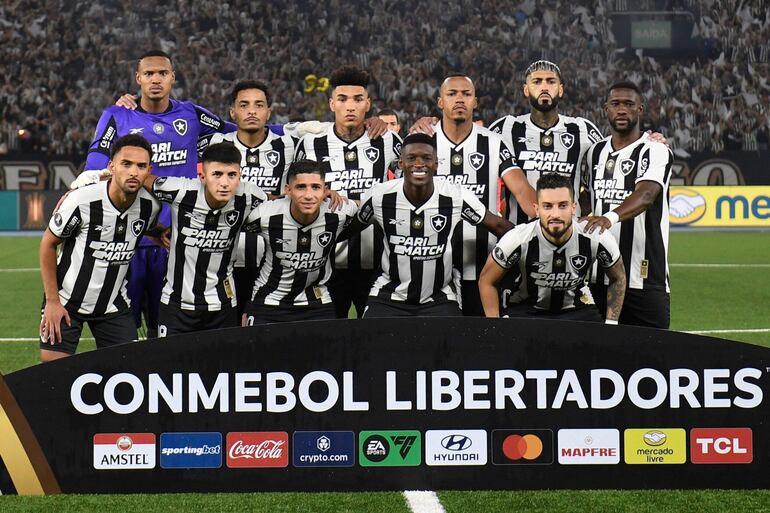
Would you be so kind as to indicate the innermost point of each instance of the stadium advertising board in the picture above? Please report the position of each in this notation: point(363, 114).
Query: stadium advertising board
point(720, 206)
point(376, 405)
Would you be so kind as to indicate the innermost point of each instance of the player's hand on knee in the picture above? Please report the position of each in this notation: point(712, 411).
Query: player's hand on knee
point(50, 326)
point(127, 101)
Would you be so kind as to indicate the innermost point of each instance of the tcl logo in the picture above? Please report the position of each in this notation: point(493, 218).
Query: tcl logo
point(266, 449)
point(721, 445)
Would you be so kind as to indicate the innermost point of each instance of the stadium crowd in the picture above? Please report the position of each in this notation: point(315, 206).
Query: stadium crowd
point(64, 60)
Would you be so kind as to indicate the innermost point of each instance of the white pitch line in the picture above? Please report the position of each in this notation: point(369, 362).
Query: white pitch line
point(20, 270)
point(727, 266)
point(752, 330)
point(423, 501)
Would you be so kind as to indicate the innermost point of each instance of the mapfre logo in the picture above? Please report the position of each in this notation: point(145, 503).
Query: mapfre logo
point(266, 449)
point(721, 445)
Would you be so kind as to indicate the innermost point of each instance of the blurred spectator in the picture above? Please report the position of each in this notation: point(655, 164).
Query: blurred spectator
point(57, 77)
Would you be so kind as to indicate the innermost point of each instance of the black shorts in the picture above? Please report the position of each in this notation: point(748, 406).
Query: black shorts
point(261, 314)
point(383, 308)
point(650, 308)
point(108, 330)
point(587, 313)
point(350, 286)
point(173, 320)
point(472, 306)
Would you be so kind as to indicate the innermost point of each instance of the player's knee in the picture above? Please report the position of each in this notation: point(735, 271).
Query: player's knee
point(49, 356)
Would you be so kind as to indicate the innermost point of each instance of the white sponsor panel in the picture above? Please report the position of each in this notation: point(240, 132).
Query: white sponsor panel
point(456, 447)
point(124, 451)
point(589, 446)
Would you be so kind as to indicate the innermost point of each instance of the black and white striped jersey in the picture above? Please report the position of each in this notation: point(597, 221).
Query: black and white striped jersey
point(297, 264)
point(548, 277)
point(200, 262)
point(558, 149)
point(266, 166)
point(352, 169)
point(477, 163)
point(418, 259)
point(99, 241)
point(643, 240)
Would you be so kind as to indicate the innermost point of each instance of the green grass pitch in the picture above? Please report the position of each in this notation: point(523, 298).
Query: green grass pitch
point(720, 281)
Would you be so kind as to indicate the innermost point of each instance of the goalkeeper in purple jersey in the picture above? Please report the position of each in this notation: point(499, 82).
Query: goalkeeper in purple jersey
point(173, 128)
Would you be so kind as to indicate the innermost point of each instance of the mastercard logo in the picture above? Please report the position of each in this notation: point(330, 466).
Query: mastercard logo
point(685, 206)
point(527, 447)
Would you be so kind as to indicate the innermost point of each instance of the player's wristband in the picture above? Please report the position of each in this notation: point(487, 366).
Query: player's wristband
point(610, 321)
point(612, 217)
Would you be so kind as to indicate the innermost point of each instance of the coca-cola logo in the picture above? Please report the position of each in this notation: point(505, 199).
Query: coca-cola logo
point(267, 449)
point(260, 449)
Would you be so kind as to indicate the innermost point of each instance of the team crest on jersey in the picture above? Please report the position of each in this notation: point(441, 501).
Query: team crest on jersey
point(158, 128)
point(626, 166)
point(578, 262)
point(567, 140)
point(273, 157)
point(372, 154)
point(232, 217)
point(180, 125)
point(324, 238)
point(438, 222)
point(137, 227)
point(476, 160)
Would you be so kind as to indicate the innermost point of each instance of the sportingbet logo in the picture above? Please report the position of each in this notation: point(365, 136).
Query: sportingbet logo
point(124, 451)
point(190, 450)
point(589, 446)
point(324, 448)
point(390, 448)
point(266, 449)
point(721, 445)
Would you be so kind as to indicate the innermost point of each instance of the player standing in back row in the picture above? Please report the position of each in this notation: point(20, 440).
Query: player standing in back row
point(544, 141)
point(173, 128)
point(265, 159)
point(352, 163)
point(629, 182)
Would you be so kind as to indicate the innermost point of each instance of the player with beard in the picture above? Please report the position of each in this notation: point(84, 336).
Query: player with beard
point(545, 141)
point(549, 259)
point(629, 182)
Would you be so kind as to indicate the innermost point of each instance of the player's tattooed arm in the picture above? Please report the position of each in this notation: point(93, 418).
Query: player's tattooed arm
point(616, 290)
point(644, 195)
point(488, 293)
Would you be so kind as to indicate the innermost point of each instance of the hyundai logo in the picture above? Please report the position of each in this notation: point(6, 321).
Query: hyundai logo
point(456, 442)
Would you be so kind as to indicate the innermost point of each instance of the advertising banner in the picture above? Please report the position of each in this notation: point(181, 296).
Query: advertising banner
point(720, 206)
point(435, 404)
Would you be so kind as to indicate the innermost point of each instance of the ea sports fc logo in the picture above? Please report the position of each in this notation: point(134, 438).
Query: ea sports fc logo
point(686, 206)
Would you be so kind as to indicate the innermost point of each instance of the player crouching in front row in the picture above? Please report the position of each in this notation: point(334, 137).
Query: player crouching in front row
point(551, 257)
point(300, 231)
point(99, 227)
